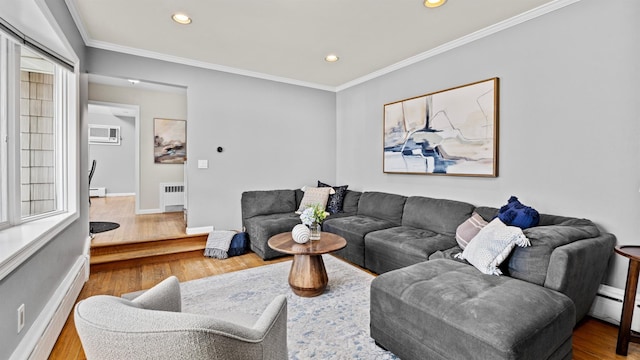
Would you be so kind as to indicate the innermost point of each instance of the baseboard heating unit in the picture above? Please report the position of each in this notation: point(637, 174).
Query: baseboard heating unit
point(97, 192)
point(608, 307)
point(171, 197)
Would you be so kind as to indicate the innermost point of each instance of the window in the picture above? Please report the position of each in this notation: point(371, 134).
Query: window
point(39, 123)
point(34, 120)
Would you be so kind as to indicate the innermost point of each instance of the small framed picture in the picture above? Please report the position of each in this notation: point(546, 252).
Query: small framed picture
point(170, 141)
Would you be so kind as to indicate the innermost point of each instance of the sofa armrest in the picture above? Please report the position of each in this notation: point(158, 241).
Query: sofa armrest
point(578, 268)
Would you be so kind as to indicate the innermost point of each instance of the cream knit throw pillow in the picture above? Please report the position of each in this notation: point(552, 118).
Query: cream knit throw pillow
point(493, 244)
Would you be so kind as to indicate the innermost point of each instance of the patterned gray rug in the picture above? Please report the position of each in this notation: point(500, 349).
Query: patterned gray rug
point(334, 325)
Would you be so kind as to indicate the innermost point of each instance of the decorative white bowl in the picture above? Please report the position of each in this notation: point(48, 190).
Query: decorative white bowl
point(300, 233)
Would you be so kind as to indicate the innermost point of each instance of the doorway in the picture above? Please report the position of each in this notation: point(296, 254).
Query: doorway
point(145, 102)
point(113, 144)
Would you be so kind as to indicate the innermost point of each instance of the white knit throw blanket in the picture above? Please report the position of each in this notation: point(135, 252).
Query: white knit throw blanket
point(218, 244)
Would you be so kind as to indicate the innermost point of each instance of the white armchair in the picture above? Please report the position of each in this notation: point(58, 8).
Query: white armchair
point(151, 326)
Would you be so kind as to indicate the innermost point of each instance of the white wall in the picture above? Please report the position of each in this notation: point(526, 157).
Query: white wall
point(115, 164)
point(153, 104)
point(274, 135)
point(569, 124)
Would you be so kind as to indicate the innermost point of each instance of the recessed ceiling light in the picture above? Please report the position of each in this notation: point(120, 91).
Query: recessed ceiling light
point(331, 58)
point(133, 81)
point(181, 18)
point(434, 3)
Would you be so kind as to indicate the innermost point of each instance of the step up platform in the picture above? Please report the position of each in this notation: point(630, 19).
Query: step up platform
point(113, 256)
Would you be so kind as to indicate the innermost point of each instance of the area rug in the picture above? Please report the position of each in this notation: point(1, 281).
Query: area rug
point(334, 325)
point(102, 226)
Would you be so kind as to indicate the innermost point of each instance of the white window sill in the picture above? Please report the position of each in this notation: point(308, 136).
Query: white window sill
point(18, 243)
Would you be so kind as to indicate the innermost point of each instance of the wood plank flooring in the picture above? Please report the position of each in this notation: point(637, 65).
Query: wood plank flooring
point(133, 228)
point(592, 338)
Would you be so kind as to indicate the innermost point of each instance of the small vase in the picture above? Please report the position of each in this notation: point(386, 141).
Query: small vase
point(315, 231)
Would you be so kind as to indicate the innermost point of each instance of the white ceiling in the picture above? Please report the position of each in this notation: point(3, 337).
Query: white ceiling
point(287, 40)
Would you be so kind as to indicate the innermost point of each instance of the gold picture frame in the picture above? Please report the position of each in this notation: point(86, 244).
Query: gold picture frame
point(448, 132)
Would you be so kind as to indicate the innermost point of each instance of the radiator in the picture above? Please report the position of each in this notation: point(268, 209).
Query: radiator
point(608, 307)
point(97, 192)
point(171, 196)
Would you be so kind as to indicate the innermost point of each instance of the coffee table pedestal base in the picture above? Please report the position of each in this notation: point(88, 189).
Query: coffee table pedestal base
point(308, 276)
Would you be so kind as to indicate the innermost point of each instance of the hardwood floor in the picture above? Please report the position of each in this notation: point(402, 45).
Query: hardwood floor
point(592, 338)
point(133, 228)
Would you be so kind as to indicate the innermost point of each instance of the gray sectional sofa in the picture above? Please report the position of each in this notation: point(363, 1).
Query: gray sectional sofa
point(426, 304)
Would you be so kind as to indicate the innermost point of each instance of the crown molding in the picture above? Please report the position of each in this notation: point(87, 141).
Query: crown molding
point(205, 65)
point(77, 19)
point(482, 33)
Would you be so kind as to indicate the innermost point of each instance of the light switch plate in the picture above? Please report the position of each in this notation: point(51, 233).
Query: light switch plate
point(203, 164)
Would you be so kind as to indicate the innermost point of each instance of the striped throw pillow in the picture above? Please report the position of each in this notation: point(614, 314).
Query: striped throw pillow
point(469, 229)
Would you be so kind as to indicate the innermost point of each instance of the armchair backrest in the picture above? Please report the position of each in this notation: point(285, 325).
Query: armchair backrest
point(116, 328)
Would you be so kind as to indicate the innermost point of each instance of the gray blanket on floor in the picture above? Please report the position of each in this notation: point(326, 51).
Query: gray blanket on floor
point(218, 244)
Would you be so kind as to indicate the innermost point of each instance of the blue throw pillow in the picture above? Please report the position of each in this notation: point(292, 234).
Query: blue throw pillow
point(239, 244)
point(517, 214)
point(336, 201)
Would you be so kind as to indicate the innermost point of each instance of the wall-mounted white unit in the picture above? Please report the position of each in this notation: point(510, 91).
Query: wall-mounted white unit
point(104, 134)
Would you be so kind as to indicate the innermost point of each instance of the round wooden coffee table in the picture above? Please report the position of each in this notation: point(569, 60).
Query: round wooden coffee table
point(308, 276)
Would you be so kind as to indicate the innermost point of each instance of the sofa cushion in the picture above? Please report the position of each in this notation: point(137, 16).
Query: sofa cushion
point(263, 202)
point(469, 229)
point(397, 247)
point(492, 245)
point(382, 206)
point(445, 309)
point(351, 200)
point(261, 228)
point(336, 200)
point(440, 215)
point(449, 254)
point(353, 229)
point(487, 213)
point(531, 263)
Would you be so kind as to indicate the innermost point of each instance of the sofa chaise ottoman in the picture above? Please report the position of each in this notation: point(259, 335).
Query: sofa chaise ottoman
point(445, 308)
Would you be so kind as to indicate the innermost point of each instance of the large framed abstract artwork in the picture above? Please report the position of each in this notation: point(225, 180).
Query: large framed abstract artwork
point(170, 141)
point(449, 132)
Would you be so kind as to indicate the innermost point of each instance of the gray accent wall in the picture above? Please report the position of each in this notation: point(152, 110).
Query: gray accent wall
point(273, 135)
point(569, 127)
point(35, 281)
point(115, 164)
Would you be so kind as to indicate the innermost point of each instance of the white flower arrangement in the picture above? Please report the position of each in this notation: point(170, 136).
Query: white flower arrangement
point(313, 214)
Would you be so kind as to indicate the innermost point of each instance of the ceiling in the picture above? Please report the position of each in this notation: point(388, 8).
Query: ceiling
point(287, 40)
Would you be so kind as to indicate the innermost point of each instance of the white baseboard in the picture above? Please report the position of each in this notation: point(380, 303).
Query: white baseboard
point(149, 211)
point(199, 230)
point(43, 334)
point(120, 194)
point(608, 306)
